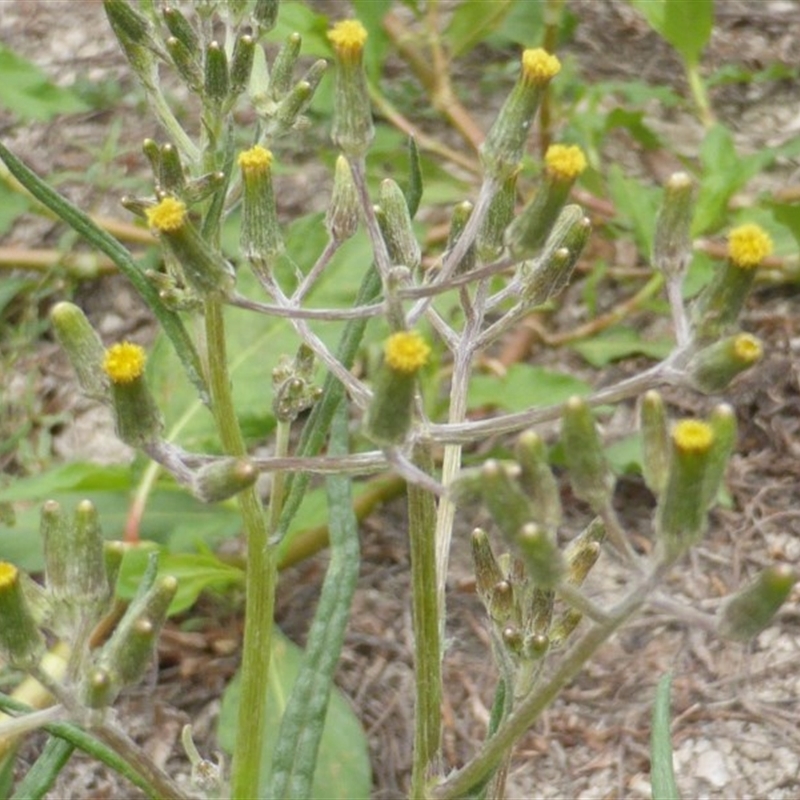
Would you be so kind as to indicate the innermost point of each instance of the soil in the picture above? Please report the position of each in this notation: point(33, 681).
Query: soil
point(736, 719)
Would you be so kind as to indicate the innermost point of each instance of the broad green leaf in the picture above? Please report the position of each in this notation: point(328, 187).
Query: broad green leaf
point(27, 92)
point(76, 476)
point(636, 206)
point(313, 27)
point(662, 776)
point(371, 13)
point(343, 770)
point(522, 387)
point(625, 455)
point(620, 342)
point(685, 24)
point(788, 215)
point(472, 22)
point(522, 25)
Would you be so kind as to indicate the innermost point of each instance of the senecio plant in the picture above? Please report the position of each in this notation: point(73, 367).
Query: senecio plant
point(499, 264)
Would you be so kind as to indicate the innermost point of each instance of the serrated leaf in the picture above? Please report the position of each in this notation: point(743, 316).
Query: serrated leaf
point(620, 342)
point(343, 771)
point(523, 386)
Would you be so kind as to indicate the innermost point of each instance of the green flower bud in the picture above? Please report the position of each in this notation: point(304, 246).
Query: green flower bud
point(502, 150)
point(127, 23)
point(100, 688)
point(487, 572)
point(261, 239)
point(682, 509)
point(83, 347)
point(216, 82)
point(513, 640)
point(395, 224)
point(113, 553)
point(170, 174)
point(137, 416)
point(458, 220)
point(723, 424)
point(222, 479)
point(543, 559)
point(265, 13)
point(388, 418)
point(205, 271)
point(509, 507)
point(152, 153)
point(344, 210)
point(752, 608)
point(535, 646)
point(583, 551)
point(717, 308)
point(21, 643)
point(553, 268)
point(181, 28)
point(242, 64)
point(490, 240)
point(353, 130)
point(186, 63)
point(86, 563)
point(527, 234)
point(672, 243)
point(540, 611)
point(589, 474)
point(200, 188)
point(287, 115)
point(283, 67)
point(563, 627)
point(655, 441)
point(537, 479)
point(711, 369)
point(501, 604)
point(292, 381)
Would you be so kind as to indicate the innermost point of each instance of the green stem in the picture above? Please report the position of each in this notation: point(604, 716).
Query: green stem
point(427, 646)
point(528, 710)
point(260, 575)
point(282, 431)
point(700, 95)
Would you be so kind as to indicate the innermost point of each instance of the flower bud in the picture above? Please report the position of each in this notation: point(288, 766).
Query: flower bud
point(552, 270)
point(216, 83)
point(502, 150)
point(655, 441)
point(714, 367)
point(583, 551)
point(490, 240)
point(583, 451)
point(487, 571)
point(280, 78)
point(137, 416)
point(242, 64)
point(681, 513)
point(509, 507)
point(395, 224)
point(185, 62)
point(752, 608)
point(200, 188)
point(83, 348)
point(261, 239)
point(718, 306)
point(205, 271)
point(563, 626)
point(543, 559)
point(513, 640)
point(292, 382)
point(222, 479)
point(458, 220)
point(723, 423)
point(527, 234)
point(181, 28)
point(170, 174)
point(21, 643)
point(344, 210)
point(388, 418)
point(113, 553)
point(353, 130)
point(535, 646)
point(265, 13)
point(501, 604)
point(537, 479)
point(127, 23)
point(672, 242)
point(152, 153)
point(540, 611)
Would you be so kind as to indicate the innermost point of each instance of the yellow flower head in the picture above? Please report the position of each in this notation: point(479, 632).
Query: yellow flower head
point(406, 352)
point(747, 348)
point(255, 160)
point(124, 362)
point(347, 38)
point(693, 436)
point(167, 216)
point(8, 574)
point(538, 66)
point(564, 162)
point(748, 246)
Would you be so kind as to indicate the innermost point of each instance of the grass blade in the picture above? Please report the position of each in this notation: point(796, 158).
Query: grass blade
point(662, 776)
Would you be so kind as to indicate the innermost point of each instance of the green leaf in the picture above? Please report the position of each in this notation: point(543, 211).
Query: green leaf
point(472, 22)
point(636, 206)
point(371, 13)
point(788, 215)
point(620, 342)
point(662, 776)
point(522, 25)
point(522, 387)
point(26, 91)
point(685, 24)
point(343, 769)
point(12, 204)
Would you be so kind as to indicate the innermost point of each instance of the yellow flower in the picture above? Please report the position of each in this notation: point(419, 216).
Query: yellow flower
point(255, 160)
point(747, 348)
point(693, 436)
point(564, 162)
point(168, 215)
point(748, 246)
point(124, 362)
point(8, 574)
point(347, 38)
point(406, 352)
point(538, 66)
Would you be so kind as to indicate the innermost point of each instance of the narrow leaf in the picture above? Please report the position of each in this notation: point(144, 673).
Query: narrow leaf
point(662, 776)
